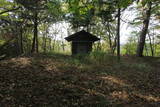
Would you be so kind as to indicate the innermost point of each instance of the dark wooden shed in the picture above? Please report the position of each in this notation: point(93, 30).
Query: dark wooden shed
point(82, 42)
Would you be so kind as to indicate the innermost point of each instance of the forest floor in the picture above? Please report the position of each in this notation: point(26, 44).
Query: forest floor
point(91, 81)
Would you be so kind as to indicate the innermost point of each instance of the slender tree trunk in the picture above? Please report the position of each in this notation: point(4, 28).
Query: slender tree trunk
point(63, 45)
point(54, 42)
point(50, 42)
point(35, 37)
point(36, 31)
point(43, 43)
point(154, 44)
point(109, 37)
point(118, 34)
point(99, 45)
point(21, 39)
point(145, 46)
point(45, 40)
point(114, 45)
point(16, 43)
point(151, 45)
point(33, 45)
point(37, 47)
point(141, 43)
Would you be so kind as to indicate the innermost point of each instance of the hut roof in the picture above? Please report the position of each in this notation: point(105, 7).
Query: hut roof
point(82, 36)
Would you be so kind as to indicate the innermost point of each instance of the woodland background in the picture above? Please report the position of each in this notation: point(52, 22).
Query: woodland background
point(34, 26)
point(37, 69)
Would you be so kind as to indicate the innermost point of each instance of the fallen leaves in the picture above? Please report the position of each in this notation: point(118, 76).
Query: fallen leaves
point(47, 81)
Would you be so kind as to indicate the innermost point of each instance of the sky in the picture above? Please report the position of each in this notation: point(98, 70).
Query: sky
point(126, 29)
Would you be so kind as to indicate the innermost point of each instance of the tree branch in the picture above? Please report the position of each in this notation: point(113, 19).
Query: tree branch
point(9, 10)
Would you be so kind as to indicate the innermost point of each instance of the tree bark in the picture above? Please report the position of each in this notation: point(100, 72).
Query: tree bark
point(35, 37)
point(50, 44)
point(145, 46)
point(21, 39)
point(109, 37)
point(118, 34)
point(151, 45)
point(141, 43)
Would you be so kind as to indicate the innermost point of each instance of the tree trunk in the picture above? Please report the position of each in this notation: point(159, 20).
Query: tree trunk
point(145, 46)
point(109, 37)
point(35, 37)
point(43, 43)
point(50, 44)
point(17, 42)
point(151, 45)
point(141, 43)
point(45, 40)
point(33, 45)
point(118, 34)
point(21, 39)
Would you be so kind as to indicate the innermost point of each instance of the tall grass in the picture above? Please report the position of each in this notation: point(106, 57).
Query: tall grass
point(100, 61)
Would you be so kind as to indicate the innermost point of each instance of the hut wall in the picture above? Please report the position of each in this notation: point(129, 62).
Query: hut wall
point(74, 48)
point(81, 47)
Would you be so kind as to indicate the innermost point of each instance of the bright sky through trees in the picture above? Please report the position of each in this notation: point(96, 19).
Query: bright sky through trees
point(125, 27)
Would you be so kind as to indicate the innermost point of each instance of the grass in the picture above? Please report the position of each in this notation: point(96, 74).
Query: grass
point(95, 80)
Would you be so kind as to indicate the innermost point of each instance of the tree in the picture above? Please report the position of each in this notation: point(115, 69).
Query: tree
point(118, 31)
point(39, 11)
point(121, 4)
point(147, 15)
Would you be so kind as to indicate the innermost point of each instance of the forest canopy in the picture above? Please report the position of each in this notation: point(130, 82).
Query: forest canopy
point(40, 26)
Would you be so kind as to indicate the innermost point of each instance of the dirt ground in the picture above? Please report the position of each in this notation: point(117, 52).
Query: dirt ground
point(62, 81)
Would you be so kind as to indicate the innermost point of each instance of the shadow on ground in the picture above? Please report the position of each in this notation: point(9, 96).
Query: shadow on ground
point(64, 81)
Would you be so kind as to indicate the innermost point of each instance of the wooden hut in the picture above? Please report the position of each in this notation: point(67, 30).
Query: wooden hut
point(81, 42)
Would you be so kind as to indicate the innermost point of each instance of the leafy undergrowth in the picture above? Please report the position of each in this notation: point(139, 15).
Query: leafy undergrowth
point(82, 81)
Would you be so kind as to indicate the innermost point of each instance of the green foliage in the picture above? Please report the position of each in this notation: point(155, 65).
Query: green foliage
point(124, 3)
point(80, 13)
point(33, 5)
point(55, 9)
point(2, 42)
point(129, 48)
point(9, 48)
point(5, 4)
